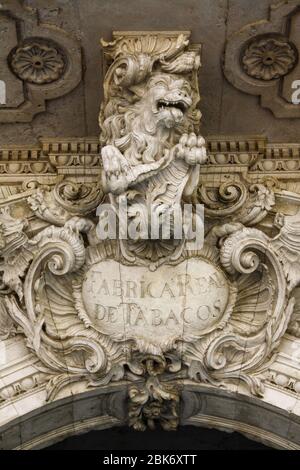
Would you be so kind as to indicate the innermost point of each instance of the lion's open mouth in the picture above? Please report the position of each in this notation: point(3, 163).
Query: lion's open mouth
point(162, 104)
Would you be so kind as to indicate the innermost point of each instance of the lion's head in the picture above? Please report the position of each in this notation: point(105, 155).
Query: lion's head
point(143, 121)
point(165, 100)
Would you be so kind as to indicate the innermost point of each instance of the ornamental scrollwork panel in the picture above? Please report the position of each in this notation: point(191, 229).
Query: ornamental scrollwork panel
point(37, 66)
point(65, 296)
point(153, 314)
point(263, 59)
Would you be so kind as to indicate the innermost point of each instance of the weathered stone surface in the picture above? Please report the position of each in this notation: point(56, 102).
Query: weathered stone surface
point(266, 23)
point(148, 324)
point(172, 301)
point(211, 22)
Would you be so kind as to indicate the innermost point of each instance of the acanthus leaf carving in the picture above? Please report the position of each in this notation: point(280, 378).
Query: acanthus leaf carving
point(248, 204)
point(154, 401)
point(66, 200)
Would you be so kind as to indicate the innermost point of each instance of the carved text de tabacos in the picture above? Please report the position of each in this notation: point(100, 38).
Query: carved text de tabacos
point(194, 295)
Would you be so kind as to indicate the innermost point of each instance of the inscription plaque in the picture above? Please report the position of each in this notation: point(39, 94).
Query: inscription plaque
point(174, 301)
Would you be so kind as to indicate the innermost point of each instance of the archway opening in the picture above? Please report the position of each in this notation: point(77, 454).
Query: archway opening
point(185, 438)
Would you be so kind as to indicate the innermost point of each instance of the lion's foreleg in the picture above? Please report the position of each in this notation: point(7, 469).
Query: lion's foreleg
point(118, 175)
point(115, 178)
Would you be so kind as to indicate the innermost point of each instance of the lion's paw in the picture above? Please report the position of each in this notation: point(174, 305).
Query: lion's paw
point(79, 224)
point(192, 149)
point(115, 168)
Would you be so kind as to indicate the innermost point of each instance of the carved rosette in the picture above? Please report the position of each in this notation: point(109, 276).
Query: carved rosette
point(38, 63)
point(269, 58)
point(261, 58)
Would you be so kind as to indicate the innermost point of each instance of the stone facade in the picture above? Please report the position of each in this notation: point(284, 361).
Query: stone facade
point(133, 330)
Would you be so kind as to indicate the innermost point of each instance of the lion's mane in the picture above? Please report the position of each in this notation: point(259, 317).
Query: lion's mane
point(127, 124)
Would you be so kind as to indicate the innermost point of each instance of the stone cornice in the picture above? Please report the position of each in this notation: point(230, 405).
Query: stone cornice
point(81, 156)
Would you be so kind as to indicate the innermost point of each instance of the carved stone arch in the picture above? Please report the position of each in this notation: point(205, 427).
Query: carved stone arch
point(106, 408)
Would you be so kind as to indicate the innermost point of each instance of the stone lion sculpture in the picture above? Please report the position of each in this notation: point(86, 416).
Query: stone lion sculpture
point(149, 128)
point(140, 140)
